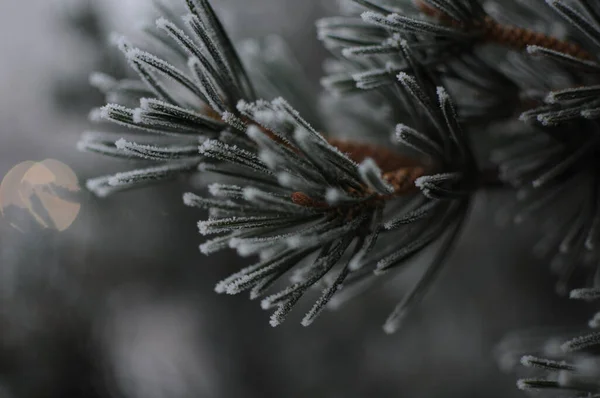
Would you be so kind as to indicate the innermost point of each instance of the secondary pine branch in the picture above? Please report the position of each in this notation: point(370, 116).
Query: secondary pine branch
point(513, 37)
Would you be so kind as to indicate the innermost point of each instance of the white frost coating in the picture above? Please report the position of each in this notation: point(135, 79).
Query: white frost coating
point(206, 249)
point(106, 110)
point(550, 98)
point(121, 143)
point(145, 103)
point(275, 299)
point(274, 321)
point(203, 227)
point(534, 50)
point(136, 54)
point(545, 120)
point(348, 52)
point(221, 287)
point(161, 66)
point(265, 304)
point(527, 360)
point(524, 117)
point(99, 147)
point(372, 17)
point(214, 245)
point(245, 107)
point(151, 173)
point(215, 189)
point(207, 87)
point(162, 23)
point(585, 294)
point(421, 182)
point(234, 288)
point(442, 94)
point(120, 41)
point(188, 18)
point(371, 174)
point(117, 179)
point(99, 186)
point(233, 120)
point(522, 384)
point(223, 190)
point(404, 77)
point(532, 361)
point(218, 146)
point(210, 145)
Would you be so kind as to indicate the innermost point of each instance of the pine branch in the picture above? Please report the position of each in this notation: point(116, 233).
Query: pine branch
point(330, 211)
point(491, 31)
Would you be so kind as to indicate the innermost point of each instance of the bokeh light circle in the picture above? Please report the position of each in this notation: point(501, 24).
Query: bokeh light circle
point(40, 194)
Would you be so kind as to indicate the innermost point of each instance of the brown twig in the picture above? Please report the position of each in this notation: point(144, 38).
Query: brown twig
point(398, 170)
point(386, 159)
point(510, 36)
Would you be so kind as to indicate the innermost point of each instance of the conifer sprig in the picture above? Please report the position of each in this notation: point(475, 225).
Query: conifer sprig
point(574, 368)
point(321, 210)
point(323, 203)
point(325, 210)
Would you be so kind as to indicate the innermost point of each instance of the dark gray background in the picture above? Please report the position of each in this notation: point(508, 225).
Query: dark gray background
point(122, 304)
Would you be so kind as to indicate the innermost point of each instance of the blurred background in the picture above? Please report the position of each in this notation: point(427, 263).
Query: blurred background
point(119, 302)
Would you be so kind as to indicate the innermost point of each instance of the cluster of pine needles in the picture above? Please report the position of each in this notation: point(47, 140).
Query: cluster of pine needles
point(381, 170)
